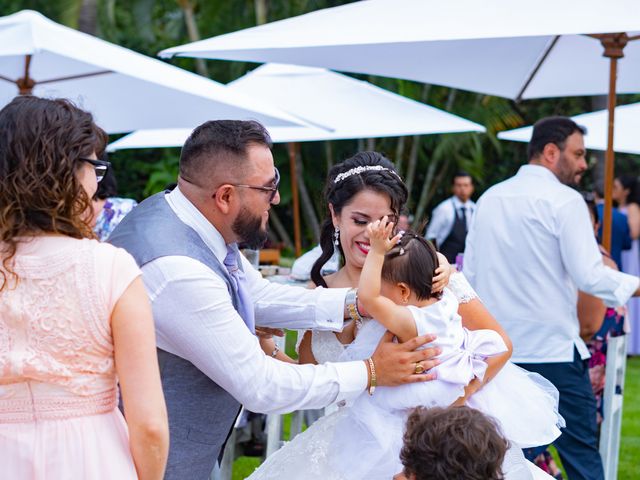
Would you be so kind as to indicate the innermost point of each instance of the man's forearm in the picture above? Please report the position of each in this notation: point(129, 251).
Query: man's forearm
point(299, 308)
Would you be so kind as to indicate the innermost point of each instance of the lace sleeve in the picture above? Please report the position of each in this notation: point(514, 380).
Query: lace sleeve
point(461, 288)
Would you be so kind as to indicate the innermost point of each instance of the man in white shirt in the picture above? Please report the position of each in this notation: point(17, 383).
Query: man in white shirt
point(530, 249)
point(451, 219)
point(206, 306)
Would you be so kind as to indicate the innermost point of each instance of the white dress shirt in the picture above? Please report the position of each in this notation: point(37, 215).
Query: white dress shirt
point(530, 249)
point(195, 319)
point(444, 215)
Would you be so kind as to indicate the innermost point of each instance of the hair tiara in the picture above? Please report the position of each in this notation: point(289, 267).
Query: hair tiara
point(362, 169)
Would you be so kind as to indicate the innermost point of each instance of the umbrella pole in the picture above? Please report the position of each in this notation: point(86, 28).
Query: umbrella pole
point(26, 83)
point(293, 149)
point(613, 49)
point(609, 157)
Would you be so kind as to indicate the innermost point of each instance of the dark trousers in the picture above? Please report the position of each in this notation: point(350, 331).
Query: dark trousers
point(578, 444)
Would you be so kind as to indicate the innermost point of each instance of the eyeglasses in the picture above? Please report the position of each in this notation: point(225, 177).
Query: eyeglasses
point(273, 190)
point(100, 167)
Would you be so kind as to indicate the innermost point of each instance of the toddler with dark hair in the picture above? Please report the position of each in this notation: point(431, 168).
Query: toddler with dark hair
point(444, 443)
point(396, 289)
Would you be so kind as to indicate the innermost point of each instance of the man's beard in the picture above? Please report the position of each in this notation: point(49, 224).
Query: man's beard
point(566, 175)
point(249, 229)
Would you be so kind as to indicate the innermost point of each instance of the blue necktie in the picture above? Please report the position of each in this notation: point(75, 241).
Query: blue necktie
point(245, 305)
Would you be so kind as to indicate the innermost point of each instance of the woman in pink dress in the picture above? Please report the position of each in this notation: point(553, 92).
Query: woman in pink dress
point(74, 316)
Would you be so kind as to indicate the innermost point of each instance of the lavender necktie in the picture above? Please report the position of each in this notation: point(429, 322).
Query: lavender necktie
point(245, 305)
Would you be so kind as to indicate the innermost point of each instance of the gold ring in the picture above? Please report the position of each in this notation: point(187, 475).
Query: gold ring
point(419, 368)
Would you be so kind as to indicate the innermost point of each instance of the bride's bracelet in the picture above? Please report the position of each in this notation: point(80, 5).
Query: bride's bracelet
point(373, 380)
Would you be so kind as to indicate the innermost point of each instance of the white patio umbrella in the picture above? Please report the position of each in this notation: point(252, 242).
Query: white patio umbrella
point(343, 106)
point(339, 106)
point(627, 127)
point(123, 89)
point(510, 48)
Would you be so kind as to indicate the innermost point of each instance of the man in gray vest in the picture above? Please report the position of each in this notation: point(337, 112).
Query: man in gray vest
point(207, 299)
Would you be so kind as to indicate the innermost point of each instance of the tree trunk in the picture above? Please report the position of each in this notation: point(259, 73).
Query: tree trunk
point(310, 215)
point(88, 17)
point(450, 99)
point(426, 186)
point(400, 154)
point(279, 228)
point(261, 8)
point(429, 189)
point(415, 149)
point(411, 166)
point(193, 33)
point(328, 153)
point(439, 178)
point(361, 145)
point(371, 144)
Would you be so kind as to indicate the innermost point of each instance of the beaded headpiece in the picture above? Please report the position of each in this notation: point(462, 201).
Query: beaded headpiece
point(361, 169)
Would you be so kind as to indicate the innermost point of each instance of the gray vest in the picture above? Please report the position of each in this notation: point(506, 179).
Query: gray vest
point(201, 413)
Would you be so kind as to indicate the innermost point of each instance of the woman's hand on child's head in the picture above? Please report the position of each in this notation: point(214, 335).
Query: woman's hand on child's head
point(442, 274)
point(379, 235)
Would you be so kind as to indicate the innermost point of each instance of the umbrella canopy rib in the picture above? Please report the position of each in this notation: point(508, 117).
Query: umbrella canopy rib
point(74, 77)
point(537, 66)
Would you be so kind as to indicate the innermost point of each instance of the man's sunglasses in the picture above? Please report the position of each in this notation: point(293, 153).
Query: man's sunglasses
point(273, 190)
point(100, 167)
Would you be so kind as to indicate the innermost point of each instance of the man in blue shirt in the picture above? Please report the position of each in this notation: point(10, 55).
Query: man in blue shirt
point(620, 234)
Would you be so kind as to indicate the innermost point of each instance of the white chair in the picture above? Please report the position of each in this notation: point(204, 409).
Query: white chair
point(612, 405)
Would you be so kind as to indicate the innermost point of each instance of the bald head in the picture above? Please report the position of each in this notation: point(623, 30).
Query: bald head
point(216, 151)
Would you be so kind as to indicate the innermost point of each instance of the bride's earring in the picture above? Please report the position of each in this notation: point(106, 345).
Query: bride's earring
point(336, 237)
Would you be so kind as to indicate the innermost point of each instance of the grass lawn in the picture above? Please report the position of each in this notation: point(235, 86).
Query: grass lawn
point(629, 466)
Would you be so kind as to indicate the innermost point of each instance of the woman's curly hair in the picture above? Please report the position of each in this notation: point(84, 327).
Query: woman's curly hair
point(40, 143)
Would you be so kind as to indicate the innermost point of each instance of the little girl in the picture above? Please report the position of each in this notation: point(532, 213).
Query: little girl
point(395, 289)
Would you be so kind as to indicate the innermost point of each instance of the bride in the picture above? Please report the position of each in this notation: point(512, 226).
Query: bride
point(361, 190)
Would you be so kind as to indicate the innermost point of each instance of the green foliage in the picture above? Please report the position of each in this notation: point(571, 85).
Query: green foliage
point(60, 10)
point(141, 173)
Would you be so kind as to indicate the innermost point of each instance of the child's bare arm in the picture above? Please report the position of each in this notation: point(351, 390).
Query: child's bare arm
point(395, 318)
point(270, 348)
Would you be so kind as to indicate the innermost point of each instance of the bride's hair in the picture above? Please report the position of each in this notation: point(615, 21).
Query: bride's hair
point(412, 261)
point(364, 171)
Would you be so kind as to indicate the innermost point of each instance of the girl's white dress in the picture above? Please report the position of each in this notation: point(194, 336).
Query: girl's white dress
point(363, 441)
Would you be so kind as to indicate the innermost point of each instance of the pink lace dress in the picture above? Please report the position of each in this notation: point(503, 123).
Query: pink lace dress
point(58, 394)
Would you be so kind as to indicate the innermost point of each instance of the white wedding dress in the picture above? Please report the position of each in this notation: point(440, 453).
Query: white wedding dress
point(363, 441)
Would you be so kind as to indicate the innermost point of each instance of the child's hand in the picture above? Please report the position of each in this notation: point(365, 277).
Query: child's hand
point(379, 232)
